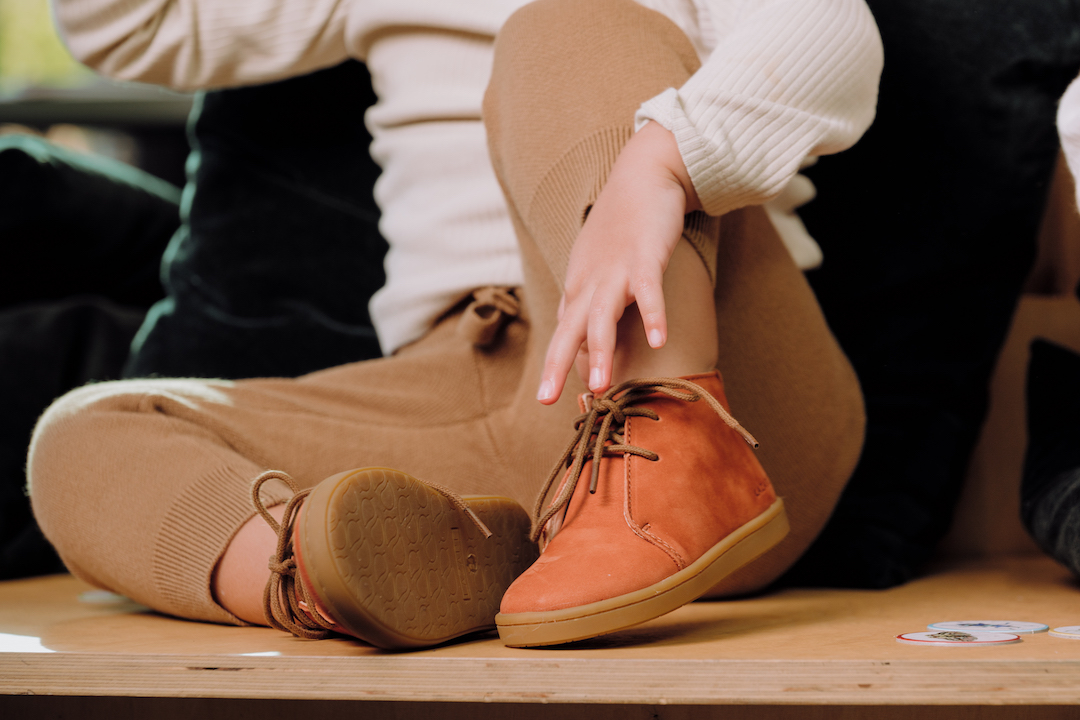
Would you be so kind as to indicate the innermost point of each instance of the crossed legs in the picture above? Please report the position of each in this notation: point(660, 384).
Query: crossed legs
point(178, 456)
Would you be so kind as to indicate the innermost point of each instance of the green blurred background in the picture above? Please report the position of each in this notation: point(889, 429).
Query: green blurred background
point(31, 52)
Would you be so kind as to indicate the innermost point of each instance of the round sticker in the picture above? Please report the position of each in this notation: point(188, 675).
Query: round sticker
point(1006, 626)
point(957, 637)
point(1070, 632)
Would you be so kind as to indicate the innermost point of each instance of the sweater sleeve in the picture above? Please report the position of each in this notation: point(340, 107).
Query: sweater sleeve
point(1068, 124)
point(790, 78)
point(202, 44)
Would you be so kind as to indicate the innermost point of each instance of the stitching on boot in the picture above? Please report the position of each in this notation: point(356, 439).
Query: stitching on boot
point(643, 531)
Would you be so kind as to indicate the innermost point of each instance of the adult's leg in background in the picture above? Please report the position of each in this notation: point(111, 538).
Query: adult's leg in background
point(83, 237)
point(928, 227)
point(279, 252)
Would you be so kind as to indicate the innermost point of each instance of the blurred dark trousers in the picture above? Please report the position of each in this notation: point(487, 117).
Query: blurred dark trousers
point(269, 273)
point(928, 226)
point(82, 239)
point(279, 252)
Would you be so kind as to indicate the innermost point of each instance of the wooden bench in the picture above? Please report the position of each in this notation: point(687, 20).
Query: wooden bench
point(794, 654)
point(66, 651)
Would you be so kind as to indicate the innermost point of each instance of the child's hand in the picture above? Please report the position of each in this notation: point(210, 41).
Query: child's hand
point(619, 258)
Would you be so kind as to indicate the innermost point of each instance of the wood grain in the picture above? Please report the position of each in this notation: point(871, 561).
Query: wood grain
point(799, 647)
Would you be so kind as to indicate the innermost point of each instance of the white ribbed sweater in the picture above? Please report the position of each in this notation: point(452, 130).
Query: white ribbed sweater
point(1068, 122)
point(781, 80)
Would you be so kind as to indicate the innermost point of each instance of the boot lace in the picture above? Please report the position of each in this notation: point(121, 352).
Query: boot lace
point(598, 433)
point(287, 604)
point(283, 595)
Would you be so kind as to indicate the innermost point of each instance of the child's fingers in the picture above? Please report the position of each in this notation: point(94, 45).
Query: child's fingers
point(562, 351)
point(604, 313)
point(649, 294)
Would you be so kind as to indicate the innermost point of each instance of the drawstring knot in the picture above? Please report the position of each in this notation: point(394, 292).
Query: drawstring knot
point(287, 605)
point(491, 309)
point(282, 568)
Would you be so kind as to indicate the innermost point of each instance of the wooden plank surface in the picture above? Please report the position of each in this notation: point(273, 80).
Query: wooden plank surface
point(823, 647)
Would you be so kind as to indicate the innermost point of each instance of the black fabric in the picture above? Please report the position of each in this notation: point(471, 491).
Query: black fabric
point(1053, 418)
point(280, 251)
point(69, 224)
point(47, 349)
point(1050, 492)
point(72, 223)
point(928, 227)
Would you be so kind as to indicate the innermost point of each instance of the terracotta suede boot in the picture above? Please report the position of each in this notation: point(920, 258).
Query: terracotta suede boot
point(396, 562)
point(671, 500)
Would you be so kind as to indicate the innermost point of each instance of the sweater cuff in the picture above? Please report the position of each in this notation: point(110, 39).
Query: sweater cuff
point(723, 178)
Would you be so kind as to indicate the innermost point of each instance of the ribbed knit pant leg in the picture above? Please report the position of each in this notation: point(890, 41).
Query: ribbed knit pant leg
point(567, 80)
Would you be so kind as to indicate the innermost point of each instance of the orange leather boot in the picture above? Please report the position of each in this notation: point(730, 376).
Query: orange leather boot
point(396, 562)
point(670, 501)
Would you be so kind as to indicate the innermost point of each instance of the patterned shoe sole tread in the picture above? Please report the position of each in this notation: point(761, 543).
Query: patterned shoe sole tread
point(398, 566)
point(554, 627)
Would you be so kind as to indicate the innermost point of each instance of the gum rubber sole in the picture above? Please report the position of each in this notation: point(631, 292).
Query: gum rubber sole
point(396, 565)
point(587, 621)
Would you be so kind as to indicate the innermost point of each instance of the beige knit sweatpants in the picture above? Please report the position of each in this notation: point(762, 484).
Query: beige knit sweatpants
point(141, 484)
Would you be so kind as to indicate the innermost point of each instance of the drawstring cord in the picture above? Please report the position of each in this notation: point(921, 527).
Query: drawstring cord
point(281, 604)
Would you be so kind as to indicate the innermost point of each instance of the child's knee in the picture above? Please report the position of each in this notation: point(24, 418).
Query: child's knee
point(53, 465)
point(85, 435)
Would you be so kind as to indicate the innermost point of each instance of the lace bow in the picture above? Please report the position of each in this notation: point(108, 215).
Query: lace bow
point(491, 308)
point(287, 605)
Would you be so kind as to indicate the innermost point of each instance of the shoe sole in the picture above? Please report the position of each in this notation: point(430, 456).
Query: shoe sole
point(554, 627)
point(396, 565)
